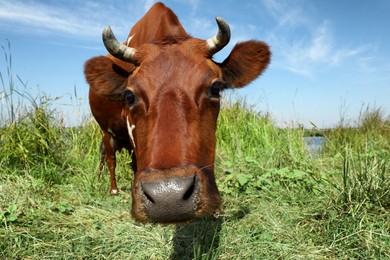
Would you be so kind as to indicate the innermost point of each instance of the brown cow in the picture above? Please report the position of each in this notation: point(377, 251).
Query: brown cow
point(160, 98)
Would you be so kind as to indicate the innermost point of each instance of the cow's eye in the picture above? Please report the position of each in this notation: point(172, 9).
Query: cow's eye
point(215, 89)
point(129, 97)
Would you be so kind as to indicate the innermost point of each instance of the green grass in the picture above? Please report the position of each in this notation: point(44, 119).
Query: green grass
point(279, 202)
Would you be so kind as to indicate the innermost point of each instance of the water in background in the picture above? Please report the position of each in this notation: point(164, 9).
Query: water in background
point(314, 144)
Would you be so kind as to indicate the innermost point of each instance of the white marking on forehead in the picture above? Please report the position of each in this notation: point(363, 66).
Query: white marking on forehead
point(130, 130)
point(110, 132)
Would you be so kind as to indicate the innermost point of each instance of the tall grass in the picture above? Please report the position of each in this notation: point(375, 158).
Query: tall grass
point(363, 150)
point(256, 155)
point(30, 135)
point(279, 202)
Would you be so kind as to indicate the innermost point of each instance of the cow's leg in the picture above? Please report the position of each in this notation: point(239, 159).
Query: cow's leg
point(110, 149)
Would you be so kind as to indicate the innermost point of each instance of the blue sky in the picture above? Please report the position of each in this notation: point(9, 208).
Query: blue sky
point(330, 58)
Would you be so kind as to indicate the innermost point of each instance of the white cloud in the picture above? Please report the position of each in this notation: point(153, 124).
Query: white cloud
point(303, 45)
point(319, 53)
point(84, 19)
point(43, 18)
point(286, 14)
point(321, 44)
point(199, 27)
point(194, 6)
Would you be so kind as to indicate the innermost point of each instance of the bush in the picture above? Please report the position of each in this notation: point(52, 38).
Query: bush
point(35, 142)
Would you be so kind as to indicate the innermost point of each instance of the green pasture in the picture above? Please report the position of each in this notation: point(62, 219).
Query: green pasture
point(280, 201)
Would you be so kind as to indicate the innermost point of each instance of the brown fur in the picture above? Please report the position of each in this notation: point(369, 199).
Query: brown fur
point(246, 62)
point(174, 115)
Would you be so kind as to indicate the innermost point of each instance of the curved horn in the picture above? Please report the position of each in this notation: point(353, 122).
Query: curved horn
point(221, 39)
point(117, 49)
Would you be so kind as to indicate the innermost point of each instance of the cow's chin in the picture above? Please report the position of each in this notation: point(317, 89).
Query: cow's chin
point(174, 195)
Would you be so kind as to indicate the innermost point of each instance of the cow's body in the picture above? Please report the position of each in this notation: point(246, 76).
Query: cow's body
point(160, 98)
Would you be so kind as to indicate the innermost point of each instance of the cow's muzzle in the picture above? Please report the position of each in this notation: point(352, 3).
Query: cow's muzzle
point(174, 199)
point(174, 195)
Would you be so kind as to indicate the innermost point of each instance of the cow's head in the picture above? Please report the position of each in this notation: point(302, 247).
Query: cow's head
point(172, 100)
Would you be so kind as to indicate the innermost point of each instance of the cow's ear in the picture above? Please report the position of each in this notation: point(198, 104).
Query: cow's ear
point(104, 76)
point(245, 63)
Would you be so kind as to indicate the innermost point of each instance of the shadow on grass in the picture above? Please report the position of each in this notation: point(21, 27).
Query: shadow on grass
point(200, 239)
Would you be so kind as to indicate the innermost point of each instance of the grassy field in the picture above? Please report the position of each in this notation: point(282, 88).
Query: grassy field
point(280, 202)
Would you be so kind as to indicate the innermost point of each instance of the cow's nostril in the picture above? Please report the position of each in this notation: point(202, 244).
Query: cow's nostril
point(190, 190)
point(174, 190)
point(170, 199)
point(148, 197)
